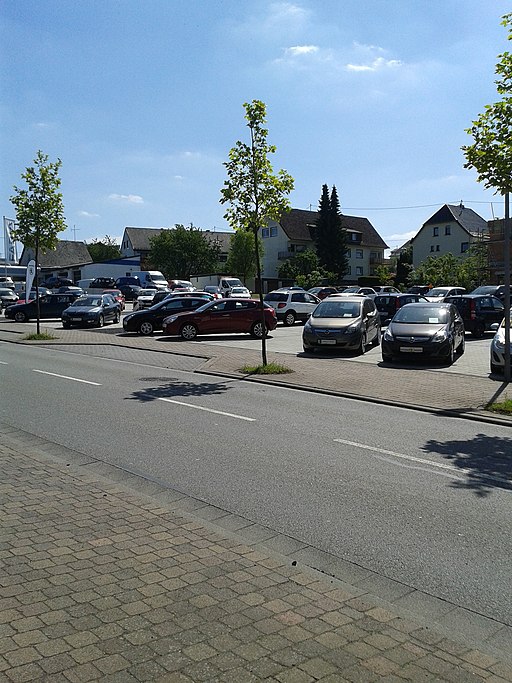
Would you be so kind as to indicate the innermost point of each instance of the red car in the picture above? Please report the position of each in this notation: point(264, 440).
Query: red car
point(117, 295)
point(221, 316)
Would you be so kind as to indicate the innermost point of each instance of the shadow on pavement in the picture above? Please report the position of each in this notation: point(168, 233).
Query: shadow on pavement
point(487, 461)
point(176, 388)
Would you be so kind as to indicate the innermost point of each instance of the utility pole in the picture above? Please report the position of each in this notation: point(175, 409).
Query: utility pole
point(74, 232)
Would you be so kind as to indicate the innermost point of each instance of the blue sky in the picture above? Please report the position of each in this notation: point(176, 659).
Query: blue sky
point(143, 100)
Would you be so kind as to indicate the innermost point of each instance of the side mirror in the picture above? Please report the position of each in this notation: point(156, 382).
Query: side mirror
point(387, 321)
point(494, 327)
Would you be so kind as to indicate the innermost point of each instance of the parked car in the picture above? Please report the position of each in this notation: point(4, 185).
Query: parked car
point(388, 304)
point(419, 289)
point(92, 309)
point(7, 297)
point(386, 289)
point(204, 295)
point(101, 283)
point(426, 330)
point(491, 290)
point(350, 323)
point(182, 284)
point(291, 304)
point(54, 282)
point(479, 312)
point(214, 291)
point(127, 280)
point(439, 294)
point(144, 299)
point(22, 297)
point(71, 289)
point(222, 315)
point(50, 306)
point(240, 293)
point(147, 321)
point(322, 292)
point(117, 295)
point(160, 296)
point(364, 291)
point(6, 282)
point(497, 349)
point(130, 292)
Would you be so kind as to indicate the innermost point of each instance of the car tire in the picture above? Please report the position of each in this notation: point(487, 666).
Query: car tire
point(21, 317)
point(101, 321)
point(450, 358)
point(478, 330)
point(117, 317)
point(496, 369)
point(308, 349)
point(461, 347)
point(66, 326)
point(377, 338)
point(258, 330)
point(188, 332)
point(289, 318)
point(362, 345)
point(387, 358)
point(146, 328)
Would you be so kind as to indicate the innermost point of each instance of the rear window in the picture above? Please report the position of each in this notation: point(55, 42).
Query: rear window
point(276, 296)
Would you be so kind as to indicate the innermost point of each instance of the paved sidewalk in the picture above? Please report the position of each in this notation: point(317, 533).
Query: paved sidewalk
point(125, 581)
point(400, 386)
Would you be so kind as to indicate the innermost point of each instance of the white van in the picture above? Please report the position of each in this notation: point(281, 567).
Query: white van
point(150, 279)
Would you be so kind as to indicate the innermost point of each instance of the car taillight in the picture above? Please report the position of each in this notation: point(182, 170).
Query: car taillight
point(473, 312)
point(281, 305)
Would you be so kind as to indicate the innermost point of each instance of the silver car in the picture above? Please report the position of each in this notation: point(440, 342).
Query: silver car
point(498, 348)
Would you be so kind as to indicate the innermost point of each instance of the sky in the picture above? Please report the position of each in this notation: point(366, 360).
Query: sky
point(142, 102)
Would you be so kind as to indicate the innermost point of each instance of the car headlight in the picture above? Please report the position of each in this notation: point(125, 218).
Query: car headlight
point(352, 329)
point(388, 335)
point(499, 343)
point(307, 326)
point(170, 320)
point(440, 336)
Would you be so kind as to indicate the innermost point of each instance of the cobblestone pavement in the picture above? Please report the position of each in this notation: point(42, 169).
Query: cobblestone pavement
point(100, 581)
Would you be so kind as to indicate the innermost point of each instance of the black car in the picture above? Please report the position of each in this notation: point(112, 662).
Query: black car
point(127, 280)
point(424, 330)
point(150, 319)
point(103, 283)
point(388, 304)
point(92, 309)
point(497, 291)
point(419, 289)
point(50, 306)
point(57, 281)
point(130, 292)
point(479, 311)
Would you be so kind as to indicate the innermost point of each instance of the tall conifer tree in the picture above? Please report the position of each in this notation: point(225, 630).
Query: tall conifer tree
point(330, 236)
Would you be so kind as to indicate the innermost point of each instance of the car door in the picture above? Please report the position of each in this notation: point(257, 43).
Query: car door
point(371, 320)
point(217, 318)
point(497, 313)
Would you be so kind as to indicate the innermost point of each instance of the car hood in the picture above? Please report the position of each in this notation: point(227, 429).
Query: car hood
point(415, 330)
point(333, 323)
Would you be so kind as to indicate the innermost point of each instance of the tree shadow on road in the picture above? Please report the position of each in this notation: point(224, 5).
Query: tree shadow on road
point(174, 388)
point(485, 460)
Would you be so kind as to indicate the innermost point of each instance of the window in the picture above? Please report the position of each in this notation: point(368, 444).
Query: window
point(354, 237)
point(298, 297)
point(349, 271)
point(359, 253)
point(273, 231)
point(349, 253)
point(437, 247)
point(431, 247)
point(435, 232)
point(359, 270)
point(265, 232)
point(464, 246)
point(447, 229)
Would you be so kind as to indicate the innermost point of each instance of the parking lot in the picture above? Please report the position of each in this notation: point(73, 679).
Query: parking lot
point(288, 340)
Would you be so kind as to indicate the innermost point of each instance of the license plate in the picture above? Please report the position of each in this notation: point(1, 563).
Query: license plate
point(411, 349)
point(76, 320)
point(327, 341)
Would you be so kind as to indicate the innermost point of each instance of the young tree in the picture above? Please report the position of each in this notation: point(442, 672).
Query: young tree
point(330, 236)
point(253, 192)
point(39, 210)
point(242, 257)
point(182, 252)
point(491, 156)
point(103, 250)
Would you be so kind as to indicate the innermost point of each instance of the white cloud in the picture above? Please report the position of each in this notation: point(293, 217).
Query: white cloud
point(301, 50)
point(130, 198)
point(377, 64)
point(87, 214)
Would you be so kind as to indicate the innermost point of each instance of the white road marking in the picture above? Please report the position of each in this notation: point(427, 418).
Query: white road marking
point(2, 362)
point(74, 379)
point(208, 410)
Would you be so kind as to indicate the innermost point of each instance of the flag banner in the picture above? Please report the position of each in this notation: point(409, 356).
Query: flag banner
point(9, 244)
point(31, 271)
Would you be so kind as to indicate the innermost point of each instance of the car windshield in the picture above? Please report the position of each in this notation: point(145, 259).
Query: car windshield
point(351, 289)
point(485, 289)
point(147, 292)
point(438, 292)
point(238, 290)
point(421, 315)
point(4, 292)
point(337, 309)
point(88, 301)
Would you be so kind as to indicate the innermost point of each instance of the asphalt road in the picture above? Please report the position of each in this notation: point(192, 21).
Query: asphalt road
point(419, 499)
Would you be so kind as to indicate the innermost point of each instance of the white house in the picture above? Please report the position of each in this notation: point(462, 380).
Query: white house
point(450, 230)
point(292, 234)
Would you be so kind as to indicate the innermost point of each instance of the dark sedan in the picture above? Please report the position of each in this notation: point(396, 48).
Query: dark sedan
point(388, 304)
point(151, 319)
point(50, 306)
point(424, 330)
point(221, 316)
point(94, 310)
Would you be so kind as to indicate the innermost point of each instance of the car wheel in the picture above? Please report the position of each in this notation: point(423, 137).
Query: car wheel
point(478, 330)
point(117, 317)
point(461, 347)
point(386, 358)
point(362, 344)
point(258, 330)
point(146, 328)
point(289, 318)
point(101, 321)
point(496, 369)
point(377, 339)
point(66, 326)
point(308, 349)
point(450, 358)
point(188, 331)
point(20, 317)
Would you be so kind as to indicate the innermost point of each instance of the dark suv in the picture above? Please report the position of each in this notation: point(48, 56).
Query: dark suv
point(388, 304)
point(478, 311)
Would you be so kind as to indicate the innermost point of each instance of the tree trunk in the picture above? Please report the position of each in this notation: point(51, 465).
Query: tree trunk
point(262, 308)
point(38, 309)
